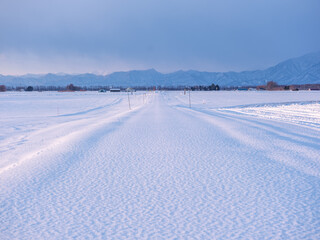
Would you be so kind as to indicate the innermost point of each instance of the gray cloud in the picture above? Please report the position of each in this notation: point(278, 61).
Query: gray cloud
point(106, 36)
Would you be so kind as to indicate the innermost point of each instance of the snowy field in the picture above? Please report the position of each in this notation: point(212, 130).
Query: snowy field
point(236, 165)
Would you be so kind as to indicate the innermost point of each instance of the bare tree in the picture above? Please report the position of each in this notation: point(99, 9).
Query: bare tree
point(271, 85)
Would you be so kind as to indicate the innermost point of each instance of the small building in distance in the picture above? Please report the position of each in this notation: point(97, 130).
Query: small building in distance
point(130, 90)
point(243, 89)
point(115, 90)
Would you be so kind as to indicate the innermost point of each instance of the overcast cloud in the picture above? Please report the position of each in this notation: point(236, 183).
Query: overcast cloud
point(75, 36)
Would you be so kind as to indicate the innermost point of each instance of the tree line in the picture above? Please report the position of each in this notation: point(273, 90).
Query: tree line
point(72, 87)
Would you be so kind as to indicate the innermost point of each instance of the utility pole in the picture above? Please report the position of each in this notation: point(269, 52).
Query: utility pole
point(129, 101)
point(189, 99)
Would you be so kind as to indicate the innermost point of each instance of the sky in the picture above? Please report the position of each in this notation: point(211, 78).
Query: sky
point(104, 36)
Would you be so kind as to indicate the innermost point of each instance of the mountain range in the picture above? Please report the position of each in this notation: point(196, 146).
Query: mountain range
point(301, 70)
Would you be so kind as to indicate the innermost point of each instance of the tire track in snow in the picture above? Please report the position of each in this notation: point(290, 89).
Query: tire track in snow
point(55, 136)
point(297, 149)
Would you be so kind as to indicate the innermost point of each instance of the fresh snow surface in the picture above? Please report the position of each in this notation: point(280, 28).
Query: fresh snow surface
point(301, 113)
point(236, 165)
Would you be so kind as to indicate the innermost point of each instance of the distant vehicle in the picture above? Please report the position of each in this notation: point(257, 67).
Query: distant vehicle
point(102, 90)
point(115, 90)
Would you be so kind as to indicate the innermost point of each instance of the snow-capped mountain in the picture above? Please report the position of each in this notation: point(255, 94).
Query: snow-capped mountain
point(301, 70)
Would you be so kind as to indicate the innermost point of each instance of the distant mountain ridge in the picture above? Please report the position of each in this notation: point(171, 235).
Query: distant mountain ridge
point(301, 70)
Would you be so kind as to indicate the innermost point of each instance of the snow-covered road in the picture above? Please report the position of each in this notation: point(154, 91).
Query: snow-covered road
point(162, 171)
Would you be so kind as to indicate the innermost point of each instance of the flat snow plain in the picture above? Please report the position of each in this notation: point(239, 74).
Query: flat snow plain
point(236, 165)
